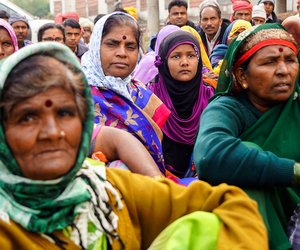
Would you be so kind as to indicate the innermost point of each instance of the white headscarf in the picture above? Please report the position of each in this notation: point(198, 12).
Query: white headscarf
point(92, 67)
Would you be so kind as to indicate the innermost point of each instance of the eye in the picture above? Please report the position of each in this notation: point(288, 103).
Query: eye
point(67, 112)
point(175, 56)
point(132, 46)
point(192, 56)
point(7, 44)
point(28, 117)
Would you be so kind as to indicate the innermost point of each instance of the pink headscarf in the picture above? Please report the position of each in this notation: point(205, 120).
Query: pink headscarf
point(11, 33)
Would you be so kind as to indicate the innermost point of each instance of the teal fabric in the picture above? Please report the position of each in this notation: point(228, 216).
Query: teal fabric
point(43, 206)
point(198, 230)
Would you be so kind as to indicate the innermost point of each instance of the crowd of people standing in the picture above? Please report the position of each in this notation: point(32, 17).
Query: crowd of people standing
point(190, 145)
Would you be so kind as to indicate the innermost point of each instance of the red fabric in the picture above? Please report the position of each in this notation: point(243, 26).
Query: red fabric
point(241, 5)
point(60, 18)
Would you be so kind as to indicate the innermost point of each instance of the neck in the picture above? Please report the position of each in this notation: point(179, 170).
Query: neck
point(21, 44)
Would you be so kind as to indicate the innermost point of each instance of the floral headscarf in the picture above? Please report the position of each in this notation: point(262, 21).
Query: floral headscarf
point(91, 62)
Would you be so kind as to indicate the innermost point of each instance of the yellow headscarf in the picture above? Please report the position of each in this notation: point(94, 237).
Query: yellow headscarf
point(204, 56)
point(132, 11)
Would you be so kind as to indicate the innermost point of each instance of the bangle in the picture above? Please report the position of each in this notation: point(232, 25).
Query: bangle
point(296, 173)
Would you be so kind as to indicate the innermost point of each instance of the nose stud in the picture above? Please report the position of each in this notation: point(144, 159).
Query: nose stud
point(62, 134)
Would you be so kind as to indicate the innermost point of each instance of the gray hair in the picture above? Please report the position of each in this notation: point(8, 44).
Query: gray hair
point(37, 74)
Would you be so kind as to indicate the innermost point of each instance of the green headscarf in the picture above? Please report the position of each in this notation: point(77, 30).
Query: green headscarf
point(44, 206)
point(277, 131)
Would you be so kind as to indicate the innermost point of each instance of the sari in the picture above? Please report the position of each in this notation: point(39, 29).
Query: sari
point(269, 133)
point(124, 103)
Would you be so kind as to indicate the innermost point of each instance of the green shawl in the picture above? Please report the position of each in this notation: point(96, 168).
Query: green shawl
point(43, 206)
point(277, 131)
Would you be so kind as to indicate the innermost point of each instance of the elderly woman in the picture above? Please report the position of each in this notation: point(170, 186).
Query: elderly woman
point(52, 198)
point(8, 39)
point(249, 133)
point(120, 101)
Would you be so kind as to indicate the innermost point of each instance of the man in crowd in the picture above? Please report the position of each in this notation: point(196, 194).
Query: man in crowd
point(211, 24)
point(73, 34)
point(269, 8)
point(21, 27)
point(242, 10)
point(4, 15)
point(259, 14)
point(178, 13)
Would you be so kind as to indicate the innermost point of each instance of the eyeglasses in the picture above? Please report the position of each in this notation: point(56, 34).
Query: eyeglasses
point(50, 39)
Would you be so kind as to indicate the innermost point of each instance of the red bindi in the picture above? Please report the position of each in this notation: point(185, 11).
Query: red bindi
point(124, 37)
point(280, 49)
point(48, 103)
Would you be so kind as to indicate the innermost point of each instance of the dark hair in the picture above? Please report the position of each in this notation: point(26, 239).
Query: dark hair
point(4, 14)
point(98, 17)
point(177, 3)
point(120, 20)
point(71, 23)
point(38, 73)
point(48, 26)
point(216, 8)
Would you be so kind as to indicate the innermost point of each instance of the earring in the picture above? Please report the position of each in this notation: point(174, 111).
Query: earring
point(245, 86)
point(62, 134)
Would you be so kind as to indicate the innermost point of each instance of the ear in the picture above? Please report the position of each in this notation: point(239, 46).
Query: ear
point(241, 77)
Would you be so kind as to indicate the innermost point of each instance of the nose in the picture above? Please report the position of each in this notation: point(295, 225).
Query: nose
point(121, 51)
point(50, 129)
point(282, 68)
point(184, 61)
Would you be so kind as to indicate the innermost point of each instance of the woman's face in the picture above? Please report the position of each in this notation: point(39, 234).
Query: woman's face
point(270, 76)
point(183, 63)
point(119, 52)
point(6, 44)
point(53, 35)
point(44, 134)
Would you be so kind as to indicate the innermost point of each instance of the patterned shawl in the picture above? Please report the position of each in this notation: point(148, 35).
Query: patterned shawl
point(124, 103)
point(46, 206)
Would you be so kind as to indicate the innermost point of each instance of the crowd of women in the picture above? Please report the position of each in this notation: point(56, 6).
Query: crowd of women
point(70, 128)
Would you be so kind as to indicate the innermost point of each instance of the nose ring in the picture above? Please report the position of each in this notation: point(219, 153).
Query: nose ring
point(62, 134)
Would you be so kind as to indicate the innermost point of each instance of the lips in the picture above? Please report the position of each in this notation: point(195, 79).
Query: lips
point(282, 87)
point(185, 71)
point(120, 65)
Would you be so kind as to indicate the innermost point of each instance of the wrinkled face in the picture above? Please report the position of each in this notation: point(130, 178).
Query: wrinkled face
point(258, 20)
point(269, 7)
point(210, 22)
point(270, 76)
point(183, 63)
point(87, 32)
point(72, 37)
point(119, 52)
point(21, 30)
point(178, 16)
point(44, 133)
point(6, 44)
point(243, 15)
point(53, 35)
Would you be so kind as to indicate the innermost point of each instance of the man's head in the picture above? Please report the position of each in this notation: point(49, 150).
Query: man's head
point(210, 18)
point(21, 27)
point(269, 6)
point(178, 12)
point(242, 10)
point(292, 25)
point(73, 33)
point(259, 14)
point(298, 7)
point(4, 15)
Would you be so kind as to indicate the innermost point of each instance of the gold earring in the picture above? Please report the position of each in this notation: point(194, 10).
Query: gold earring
point(245, 86)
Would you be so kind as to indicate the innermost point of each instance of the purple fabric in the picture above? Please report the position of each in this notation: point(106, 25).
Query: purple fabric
point(145, 71)
point(11, 33)
point(186, 100)
point(182, 130)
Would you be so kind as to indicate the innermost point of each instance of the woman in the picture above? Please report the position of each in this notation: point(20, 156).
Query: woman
point(231, 32)
point(51, 198)
point(119, 100)
point(146, 71)
point(51, 32)
point(248, 134)
point(181, 88)
point(8, 39)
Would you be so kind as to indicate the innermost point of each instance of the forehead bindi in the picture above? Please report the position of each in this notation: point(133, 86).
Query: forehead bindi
point(121, 34)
